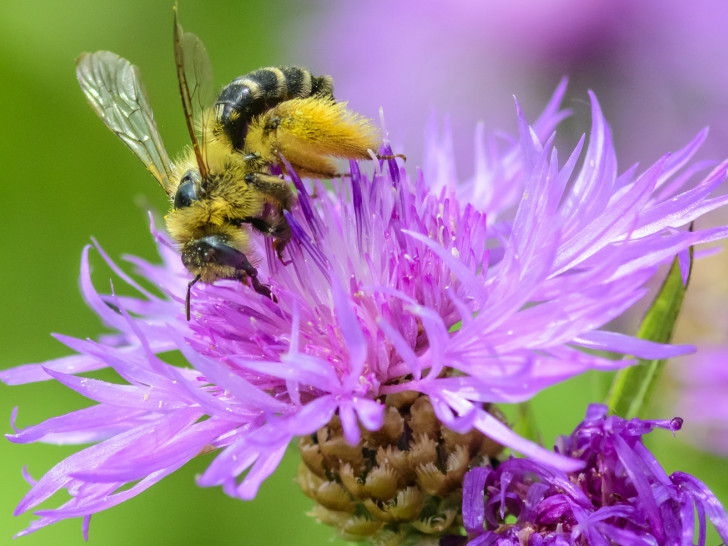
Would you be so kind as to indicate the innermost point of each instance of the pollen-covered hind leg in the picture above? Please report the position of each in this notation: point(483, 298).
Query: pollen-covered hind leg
point(308, 132)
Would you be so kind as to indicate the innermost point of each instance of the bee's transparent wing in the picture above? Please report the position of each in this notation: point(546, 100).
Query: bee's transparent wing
point(194, 74)
point(115, 91)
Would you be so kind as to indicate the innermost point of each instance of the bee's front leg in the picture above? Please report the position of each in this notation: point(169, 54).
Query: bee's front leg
point(247, 274)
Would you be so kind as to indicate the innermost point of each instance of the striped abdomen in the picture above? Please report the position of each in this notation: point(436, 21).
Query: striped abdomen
point(252, 94)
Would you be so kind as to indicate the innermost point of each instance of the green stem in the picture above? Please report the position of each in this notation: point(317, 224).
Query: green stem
point(633, 387)
point(526, 425)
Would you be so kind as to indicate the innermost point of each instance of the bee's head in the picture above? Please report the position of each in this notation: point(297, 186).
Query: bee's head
point(213, 245)
point(215, 257)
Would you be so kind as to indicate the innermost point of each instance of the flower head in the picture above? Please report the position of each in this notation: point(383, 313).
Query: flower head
point(470, 294)
point(621, 495)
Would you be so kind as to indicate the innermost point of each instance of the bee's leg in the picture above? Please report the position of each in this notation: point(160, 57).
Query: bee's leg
point(394, 156)
point(279, 245)
point(278, 189)
point(279, 230)
point(261, 288)
point(260, 225)
point(249, 275)
point(270, 185)
point(379, 157)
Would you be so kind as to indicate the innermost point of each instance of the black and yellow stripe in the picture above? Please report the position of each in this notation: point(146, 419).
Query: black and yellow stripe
point(260, 90)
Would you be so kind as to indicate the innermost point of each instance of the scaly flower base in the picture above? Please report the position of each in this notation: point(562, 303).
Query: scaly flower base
point(401, 483)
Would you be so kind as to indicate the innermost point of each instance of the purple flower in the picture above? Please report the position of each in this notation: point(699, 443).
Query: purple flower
point(484, 292)
point(467, 60)
point(464, 61)
point(702, 400)
point(621, 495)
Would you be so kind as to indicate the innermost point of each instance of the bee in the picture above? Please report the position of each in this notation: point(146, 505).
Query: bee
point(224, 184)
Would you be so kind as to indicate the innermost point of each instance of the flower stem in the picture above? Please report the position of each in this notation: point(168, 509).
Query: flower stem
point(632, 388)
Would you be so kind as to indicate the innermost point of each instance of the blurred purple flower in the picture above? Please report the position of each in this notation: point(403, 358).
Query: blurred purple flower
point(702, 400)
point(621, 496)
point(483, 292)
point(649, 61)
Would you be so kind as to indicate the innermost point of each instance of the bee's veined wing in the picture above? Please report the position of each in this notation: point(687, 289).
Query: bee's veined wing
point(115, 91)
point(194, 74)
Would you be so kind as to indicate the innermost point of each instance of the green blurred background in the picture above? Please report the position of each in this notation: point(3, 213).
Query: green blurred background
point(67, 178)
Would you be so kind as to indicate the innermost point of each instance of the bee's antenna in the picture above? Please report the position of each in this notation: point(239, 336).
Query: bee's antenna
point(184, 89)
point(187, 300)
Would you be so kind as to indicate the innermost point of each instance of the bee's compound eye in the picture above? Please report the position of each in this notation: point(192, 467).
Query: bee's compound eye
point(187, 190)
